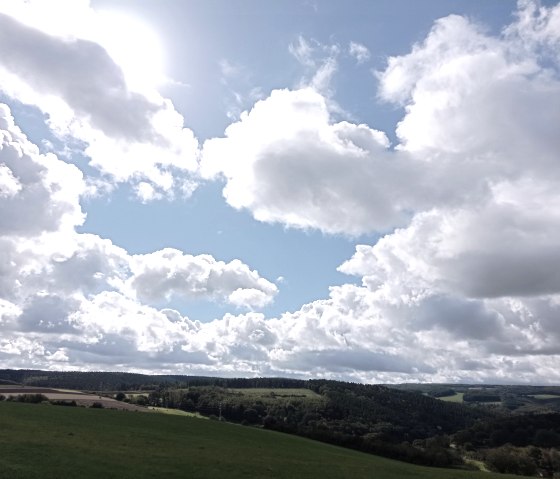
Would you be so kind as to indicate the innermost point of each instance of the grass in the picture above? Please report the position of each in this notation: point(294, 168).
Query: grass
point(176, 412)
point(457, 397)
point(47, 442)
point(545, 396)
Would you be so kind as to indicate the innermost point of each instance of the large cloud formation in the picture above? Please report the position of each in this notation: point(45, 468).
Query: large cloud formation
point(462, 286)
point(128, 135)
point(481, 115)
point(467, 285)
point(75, 297)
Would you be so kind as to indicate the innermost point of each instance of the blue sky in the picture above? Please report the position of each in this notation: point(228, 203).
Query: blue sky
point(307, 260)
point(302, 188)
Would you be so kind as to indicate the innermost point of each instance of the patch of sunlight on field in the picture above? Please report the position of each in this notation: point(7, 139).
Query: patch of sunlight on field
point(475, 463)
point(176, 412)
point(458, 397)
point(544, 396)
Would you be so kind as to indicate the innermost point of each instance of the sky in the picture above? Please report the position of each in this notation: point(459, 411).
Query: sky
point(315, 189)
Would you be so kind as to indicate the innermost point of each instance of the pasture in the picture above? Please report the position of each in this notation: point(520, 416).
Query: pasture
point(544, 396)
point(457, 397)
point(47, 442)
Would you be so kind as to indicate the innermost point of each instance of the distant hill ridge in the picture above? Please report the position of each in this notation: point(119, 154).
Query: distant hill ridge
point(122, 381)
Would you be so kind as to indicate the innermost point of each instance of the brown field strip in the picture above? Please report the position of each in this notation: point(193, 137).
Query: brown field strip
point(24, 390)
point(82, 399)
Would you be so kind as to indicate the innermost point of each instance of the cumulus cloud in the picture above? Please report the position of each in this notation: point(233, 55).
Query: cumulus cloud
point(39, 249)
point(465, 136)
point(471, 187)
point(298, 168)
point(38, 192)
point(76, 298)
point(95, 89)
point(128, 135)
point(10, 185)
point(170, 272)
point(475, 97)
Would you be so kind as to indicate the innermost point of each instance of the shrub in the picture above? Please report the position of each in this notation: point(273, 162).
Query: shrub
point(507, 459)
point(269, 421)
point(29, 398)
point(141, 400)
point(251, 416)
point(62, 402)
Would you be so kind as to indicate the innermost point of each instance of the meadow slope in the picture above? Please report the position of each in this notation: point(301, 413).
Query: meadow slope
point(44, 441)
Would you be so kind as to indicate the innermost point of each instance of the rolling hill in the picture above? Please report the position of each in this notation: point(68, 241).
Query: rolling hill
point(47, 442)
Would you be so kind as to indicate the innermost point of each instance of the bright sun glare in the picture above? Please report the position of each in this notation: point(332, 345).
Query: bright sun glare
point(136, 48)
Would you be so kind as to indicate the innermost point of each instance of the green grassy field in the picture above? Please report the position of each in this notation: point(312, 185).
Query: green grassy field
point(458, 397)
point(43, 441)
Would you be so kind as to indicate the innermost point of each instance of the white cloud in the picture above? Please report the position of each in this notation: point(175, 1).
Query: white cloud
point(40, 193)
point(146, 192)
point(9, 186)
point(321, 80)
point(471, 270)
point(252, 297)
point(537, 27)
point(359, 51)
point(70, 298)
point(58, 356)
point(483, 98)
point(320, 62)
point(96, 89)
point(302, 51)
point(169, 272)
point(296, 167)
point(116, 325)
point(65, 71)
point(464, 136)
